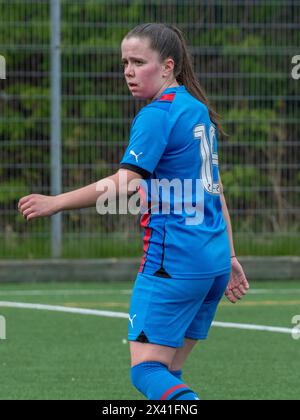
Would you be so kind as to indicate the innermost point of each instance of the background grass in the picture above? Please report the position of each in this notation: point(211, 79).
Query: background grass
point(50, 355)
point(76, 246)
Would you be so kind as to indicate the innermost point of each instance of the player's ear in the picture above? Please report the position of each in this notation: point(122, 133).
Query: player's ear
point(168, 66)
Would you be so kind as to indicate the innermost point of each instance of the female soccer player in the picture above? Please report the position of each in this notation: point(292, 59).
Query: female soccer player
point(188, 262)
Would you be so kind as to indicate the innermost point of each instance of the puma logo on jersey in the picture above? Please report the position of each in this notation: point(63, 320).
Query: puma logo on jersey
point(131, 320)
point(135, 155)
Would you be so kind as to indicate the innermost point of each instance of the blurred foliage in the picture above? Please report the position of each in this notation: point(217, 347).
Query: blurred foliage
point(252, 93)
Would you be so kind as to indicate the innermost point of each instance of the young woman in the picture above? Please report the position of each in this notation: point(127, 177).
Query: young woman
point(187, 266)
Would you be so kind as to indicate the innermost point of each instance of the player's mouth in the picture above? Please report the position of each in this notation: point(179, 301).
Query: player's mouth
point(132, 85)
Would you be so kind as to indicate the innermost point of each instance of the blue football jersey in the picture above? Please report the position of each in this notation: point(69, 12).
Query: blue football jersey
point(173, 140)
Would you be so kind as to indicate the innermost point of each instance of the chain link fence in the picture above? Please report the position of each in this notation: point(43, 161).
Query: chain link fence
point(243, 52)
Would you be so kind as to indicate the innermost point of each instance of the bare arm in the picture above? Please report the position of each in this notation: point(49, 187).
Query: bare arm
point(227, 218)
point(238, 284)
point(35, 205)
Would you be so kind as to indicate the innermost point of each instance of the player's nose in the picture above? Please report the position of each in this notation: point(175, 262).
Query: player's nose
point(129, 71)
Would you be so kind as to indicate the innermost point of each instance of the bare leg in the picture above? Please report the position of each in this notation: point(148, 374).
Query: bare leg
point(182, 353)
point(143, 352)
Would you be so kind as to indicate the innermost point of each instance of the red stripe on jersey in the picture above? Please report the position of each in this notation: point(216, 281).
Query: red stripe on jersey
point(174, 388)
point(144, 223)
point(168, 97)
point(145, 220)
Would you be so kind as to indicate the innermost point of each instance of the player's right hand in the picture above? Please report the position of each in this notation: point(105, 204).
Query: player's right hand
point(35, 205)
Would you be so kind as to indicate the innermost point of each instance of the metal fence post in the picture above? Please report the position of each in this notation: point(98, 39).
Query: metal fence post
point(56, 167)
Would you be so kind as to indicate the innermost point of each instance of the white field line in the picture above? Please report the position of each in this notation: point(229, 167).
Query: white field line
point(91, 292)
point(53, 308)
point(273, 291)
point(76, 292)
point(253, 327)
point(110, 314)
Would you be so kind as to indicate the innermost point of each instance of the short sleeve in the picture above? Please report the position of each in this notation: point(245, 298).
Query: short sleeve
point(148, 140)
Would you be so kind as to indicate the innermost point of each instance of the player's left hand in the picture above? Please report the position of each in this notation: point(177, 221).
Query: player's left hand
point(238, 284)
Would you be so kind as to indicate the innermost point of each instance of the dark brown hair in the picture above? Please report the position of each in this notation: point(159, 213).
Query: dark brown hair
point(169, 41)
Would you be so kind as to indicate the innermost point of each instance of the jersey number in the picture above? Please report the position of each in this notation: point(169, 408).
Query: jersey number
point(209, 158)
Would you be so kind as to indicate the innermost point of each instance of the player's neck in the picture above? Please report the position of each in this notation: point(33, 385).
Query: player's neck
point(167, 85)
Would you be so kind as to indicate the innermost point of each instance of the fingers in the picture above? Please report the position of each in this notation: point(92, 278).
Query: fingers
point(24, 200)
point(242, 289)
point(243, 285)
point(237, 293)
point(230, 296)
point(246, 284)
point(32, 216)
point(25, 207)
point(237, 288)
point(233, 295)
point(29, 214)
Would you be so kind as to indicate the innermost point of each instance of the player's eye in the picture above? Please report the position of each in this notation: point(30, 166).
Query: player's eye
point(136, 62)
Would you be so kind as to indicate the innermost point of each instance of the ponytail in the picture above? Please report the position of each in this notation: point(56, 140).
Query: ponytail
point(188, 78)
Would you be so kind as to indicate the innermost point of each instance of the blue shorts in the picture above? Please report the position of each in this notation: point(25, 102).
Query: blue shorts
point(165, 311)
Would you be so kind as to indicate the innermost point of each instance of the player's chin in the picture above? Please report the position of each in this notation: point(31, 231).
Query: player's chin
point(140, 95)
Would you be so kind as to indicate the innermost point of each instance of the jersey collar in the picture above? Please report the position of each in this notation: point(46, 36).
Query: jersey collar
point(174, 89)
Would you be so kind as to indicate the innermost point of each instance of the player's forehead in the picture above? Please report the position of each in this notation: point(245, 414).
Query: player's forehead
point(137, 48)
